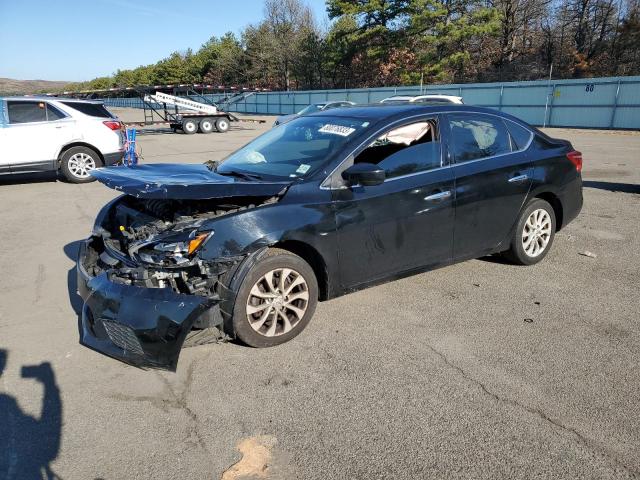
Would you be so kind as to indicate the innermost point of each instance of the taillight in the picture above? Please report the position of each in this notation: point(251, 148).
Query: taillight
point(575, 157)
point(113, 125)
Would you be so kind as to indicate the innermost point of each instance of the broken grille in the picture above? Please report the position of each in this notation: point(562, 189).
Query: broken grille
point(123, 337)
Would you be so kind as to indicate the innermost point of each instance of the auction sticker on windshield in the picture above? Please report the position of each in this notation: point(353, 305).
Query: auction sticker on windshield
point(337, 130)
point(304, 168)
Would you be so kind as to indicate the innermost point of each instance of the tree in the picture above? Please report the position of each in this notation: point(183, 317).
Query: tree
point(287, 25)
point(518, 41)
point(221, 61)
point(395, 42)
point(626, 52)
point(442, 34)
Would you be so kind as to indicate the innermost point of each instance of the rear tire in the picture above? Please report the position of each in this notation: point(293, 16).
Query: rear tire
point(206, 125)
point(222, 124)
point(270, 310)
point(189, 126)
point(77, 162)
point(534, 234)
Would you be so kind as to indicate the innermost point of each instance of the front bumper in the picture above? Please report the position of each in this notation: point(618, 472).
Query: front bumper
point(145, 327)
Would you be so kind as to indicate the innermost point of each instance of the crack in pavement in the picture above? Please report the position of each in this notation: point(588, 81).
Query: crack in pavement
point(39, 282)
point(174, 400)
point(181, 402)
point(591, 444)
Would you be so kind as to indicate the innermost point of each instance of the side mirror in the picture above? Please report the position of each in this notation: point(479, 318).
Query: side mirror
point(365, 174)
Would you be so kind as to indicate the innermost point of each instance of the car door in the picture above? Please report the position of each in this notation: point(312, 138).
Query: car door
point(492, 178)
point(34, 135)
point(402, 224)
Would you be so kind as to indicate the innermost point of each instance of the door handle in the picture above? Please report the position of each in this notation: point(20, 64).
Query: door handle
point(518, 178)
point(438, 196)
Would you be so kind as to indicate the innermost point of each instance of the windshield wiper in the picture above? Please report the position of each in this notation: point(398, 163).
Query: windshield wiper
point(214, 164)
point(243, 175)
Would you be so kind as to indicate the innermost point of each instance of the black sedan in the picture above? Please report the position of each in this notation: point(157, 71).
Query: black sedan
point(318, 207)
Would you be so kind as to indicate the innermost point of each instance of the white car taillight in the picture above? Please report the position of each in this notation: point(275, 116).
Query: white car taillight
point(112, 125)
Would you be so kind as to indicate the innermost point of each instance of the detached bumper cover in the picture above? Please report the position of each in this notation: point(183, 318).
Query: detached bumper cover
point(145, 327)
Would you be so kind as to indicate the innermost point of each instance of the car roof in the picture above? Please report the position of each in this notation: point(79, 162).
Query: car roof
point(45, 98)
point(379, 111)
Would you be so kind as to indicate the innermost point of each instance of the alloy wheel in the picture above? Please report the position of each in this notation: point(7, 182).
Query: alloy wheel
point(277, 302)
point(536, 232)
point(80, 164)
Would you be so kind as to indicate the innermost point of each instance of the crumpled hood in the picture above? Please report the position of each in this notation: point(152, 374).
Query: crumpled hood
point(182, 181)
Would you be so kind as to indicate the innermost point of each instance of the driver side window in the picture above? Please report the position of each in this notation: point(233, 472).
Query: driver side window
point(405, 150)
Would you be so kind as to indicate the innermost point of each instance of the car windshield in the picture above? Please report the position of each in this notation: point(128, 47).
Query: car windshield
point(293, 150)
point(310, 109)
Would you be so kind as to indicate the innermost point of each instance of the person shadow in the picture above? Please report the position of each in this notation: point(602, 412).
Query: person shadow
point(28, 445)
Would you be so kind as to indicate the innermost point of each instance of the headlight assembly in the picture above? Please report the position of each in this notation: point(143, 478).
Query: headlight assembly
point(172, 253)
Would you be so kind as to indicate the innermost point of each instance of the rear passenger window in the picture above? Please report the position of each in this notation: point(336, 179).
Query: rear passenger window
point(91, 109)
point(519, 135)
point(53, 113)
point(404, 150)
point(26, 112)
point(477, 136)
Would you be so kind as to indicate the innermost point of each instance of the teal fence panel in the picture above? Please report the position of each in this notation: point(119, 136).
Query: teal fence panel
point(612, 102)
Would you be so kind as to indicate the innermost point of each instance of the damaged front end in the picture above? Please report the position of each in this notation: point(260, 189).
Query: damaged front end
point(144, 284)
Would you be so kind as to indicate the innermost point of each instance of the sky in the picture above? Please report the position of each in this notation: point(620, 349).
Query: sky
point(79, 40)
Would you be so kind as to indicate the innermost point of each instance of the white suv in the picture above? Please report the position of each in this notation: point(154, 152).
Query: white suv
point(433, 99)
point(73, 136)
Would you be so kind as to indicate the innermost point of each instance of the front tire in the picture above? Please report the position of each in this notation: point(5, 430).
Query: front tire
point(534, 234)
point(77, 163)
point(275, 301)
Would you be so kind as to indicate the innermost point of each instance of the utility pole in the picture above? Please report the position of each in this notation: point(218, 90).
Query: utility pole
point(546, 104)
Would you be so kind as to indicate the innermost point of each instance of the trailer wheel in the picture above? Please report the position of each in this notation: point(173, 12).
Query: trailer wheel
point(206, 125)
point(189, 126)
point(222, 124)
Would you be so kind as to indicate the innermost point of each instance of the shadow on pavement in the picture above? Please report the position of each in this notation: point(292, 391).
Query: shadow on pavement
point(169, 131)
point(612, 186)
point(20, 178)
point(154, 131)
point(495, 258)
point(27, 444)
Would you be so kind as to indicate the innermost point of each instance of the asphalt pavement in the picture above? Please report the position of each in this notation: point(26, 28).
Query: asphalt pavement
point(477, 370)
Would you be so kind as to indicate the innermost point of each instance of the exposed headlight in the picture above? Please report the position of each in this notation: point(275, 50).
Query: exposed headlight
point(173, 253)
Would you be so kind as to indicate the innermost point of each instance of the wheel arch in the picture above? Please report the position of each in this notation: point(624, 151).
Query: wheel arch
point(556, 204)
point(77, 144)
point(310, 255)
